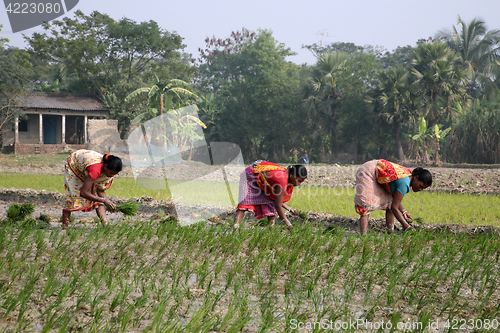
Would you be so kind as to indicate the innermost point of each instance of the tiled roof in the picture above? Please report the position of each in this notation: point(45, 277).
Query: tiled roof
point(60, 101)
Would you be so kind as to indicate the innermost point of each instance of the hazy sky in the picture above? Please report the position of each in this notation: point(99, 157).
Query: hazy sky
point(386, 23)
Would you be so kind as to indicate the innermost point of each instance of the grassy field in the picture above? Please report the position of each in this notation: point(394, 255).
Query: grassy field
point(36, 160)
point(429, 207)
point(159, 277)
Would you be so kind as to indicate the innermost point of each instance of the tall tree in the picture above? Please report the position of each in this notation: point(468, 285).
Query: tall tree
point(333, 97)
point(401, 56)
point(320, 50)
point(103, 50)
point(392, 99)
point(219, 59)
point(253, 84)
point(354, 117)
point(108, 56)
point(479, 51)
point(15, 70)
point(161, 96)
point(475, 135)
point(320, 96)
point(441, 84)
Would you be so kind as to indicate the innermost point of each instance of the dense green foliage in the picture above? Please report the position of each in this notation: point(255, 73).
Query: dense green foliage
point(96, 54)
point(253, 86)
point(354, 103)
point(475, 135)
point(15, 69)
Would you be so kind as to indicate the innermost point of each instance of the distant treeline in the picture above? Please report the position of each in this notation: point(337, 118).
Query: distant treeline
point(435, 101)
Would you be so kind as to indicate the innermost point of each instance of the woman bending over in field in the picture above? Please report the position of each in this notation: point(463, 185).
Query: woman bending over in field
point(381, 185)
point(87, 176)
point(264, 189)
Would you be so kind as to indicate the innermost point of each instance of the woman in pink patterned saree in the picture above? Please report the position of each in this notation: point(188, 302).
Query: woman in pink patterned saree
point(264, 189)
point(381, 185)
point(88, 174)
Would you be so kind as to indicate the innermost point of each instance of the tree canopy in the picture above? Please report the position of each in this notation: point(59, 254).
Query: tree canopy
point(362, 101)
point(15, 69)
point(253, 85)
point(108, 58)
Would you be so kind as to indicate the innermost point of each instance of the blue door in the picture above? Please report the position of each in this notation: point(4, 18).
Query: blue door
point(50, 129)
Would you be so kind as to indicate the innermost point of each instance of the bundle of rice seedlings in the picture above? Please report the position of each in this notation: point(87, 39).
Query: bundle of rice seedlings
point(128, 208)
point(17, 212)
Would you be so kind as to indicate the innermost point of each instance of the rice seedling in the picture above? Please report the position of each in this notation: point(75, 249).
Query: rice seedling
point(154, 276)
point(128, 208)
point(18, 212)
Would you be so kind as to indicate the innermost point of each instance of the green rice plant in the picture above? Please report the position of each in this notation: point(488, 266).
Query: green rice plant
point(17, 212)
point(202, 272)
point(124, 316)
point(52, 318)
point(128, 208)
point(64, 291)
point(159, 313)
point(95, 309)
point(219, 267)
point(10, 303)
point(23, 241)
point(274, 276)
point(231, 313)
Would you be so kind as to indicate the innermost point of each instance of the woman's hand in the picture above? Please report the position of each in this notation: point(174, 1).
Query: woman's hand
point(111, 206)
point(407, 215)
point(294, 211)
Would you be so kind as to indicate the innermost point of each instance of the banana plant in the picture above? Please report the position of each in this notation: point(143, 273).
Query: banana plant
point(161, 96)
point(429, 137)
point(421, 138)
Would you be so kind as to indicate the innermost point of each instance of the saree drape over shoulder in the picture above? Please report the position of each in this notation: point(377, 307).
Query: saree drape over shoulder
point(258, 188)
point(372, 185)
point(75, 173)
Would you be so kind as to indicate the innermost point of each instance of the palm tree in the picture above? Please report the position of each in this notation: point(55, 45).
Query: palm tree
point(319, 93)
point(479, 53)
point(440, 83)
point(392, 98)
point(161, 95)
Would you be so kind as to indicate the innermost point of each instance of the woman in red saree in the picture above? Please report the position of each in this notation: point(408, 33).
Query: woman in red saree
point(87, 175)
point(264, 189)
point(381, 185)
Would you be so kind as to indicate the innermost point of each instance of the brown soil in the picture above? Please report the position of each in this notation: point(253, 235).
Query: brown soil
point(456, 180)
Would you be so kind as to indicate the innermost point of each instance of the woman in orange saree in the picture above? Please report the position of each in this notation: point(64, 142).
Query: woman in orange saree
point(381, 185)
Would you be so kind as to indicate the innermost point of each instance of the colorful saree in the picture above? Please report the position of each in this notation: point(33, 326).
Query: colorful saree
point(372, 185)
point(75, 173)
point(388, 172)
point(258, 188)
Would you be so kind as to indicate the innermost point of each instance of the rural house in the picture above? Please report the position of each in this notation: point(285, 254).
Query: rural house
point(52, 122)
